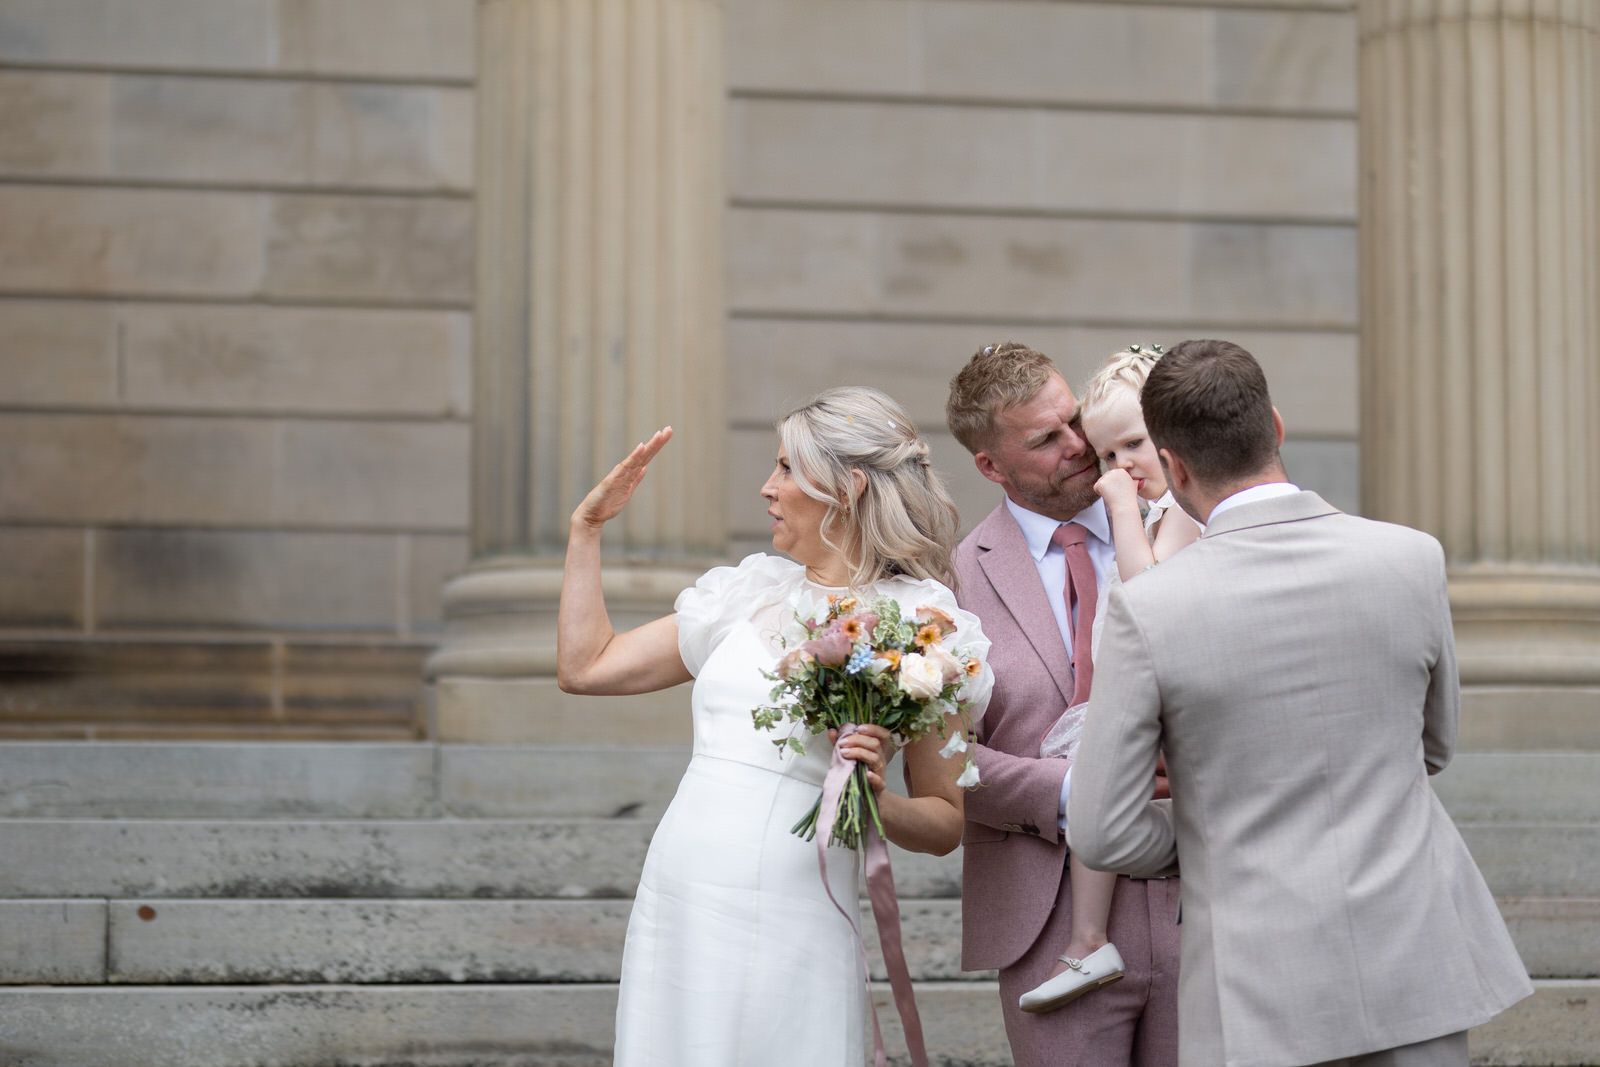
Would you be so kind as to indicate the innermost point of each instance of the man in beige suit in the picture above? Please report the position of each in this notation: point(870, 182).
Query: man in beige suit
point(1297, 668)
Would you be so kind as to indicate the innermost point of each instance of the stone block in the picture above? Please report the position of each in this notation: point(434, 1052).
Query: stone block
point(72, 683)
point(1555, 938)
point(80, 240)
point(311, 360)
point(57, 354)
point(535, 711)
point(1536, 859)
point(432, 39)
point(183, 34)
point(558, 781)
point(52, 941)
point(277, 1025)
point(375, 474)
point(1095, 54)
point(839, 45)
point(1050, 270)
point(189, 780)
point(392, 136)
point(1039, 160)
point(1521, 787)
point(229, 578)
point(1330, 468)
point(160, 469)
point(387, 941)
point(431, 560)
point(1559, 1024)
point(56, 124)
point(489, 859)
point(351, 684)
point(377, 249)
point(42, 577)
point(776, 363)
point(1530, 718)
point(210, 130)
point(1289, 60)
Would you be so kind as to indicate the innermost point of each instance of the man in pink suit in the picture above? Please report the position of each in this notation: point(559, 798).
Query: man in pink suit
point(1018, 418)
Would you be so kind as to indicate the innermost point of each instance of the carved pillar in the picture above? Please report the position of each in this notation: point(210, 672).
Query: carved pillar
point(598, 319)
point(1480, 346)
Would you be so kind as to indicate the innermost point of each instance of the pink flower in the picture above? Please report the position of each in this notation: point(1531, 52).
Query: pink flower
point(928, 615)
point(794, 662)
point(831, 647)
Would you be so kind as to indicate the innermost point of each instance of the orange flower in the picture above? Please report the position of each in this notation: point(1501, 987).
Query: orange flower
point(928, 635)
point(974, 667)
point(892, 655)
point(846, 604)
point(852, 628)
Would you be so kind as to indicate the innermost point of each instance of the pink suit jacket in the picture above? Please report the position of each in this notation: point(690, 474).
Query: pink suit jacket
point(1013, 854)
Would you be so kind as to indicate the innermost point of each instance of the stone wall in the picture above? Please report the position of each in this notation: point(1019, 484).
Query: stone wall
point(235, 295)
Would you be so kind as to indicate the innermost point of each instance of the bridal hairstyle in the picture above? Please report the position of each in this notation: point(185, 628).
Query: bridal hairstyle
point(904, 521)
point(995, 378)
point(1207, 401)
point(1127, 369)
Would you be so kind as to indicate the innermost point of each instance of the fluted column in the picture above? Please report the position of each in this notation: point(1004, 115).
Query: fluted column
point(1480, 347)
point(598, 319)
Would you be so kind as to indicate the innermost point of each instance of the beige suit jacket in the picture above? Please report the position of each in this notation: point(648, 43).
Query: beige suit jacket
point(1297, 667)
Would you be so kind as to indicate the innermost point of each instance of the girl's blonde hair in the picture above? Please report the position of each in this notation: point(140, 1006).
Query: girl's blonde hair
point(903, 521)
point(1127, 369)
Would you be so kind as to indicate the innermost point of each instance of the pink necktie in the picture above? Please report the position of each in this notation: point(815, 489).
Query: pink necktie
point(1081, 589)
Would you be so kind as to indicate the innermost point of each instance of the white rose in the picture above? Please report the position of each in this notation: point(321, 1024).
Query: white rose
point(920, 677)
point(950, 668)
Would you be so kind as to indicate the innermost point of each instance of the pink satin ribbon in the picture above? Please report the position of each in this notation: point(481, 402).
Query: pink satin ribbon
point(885, 909)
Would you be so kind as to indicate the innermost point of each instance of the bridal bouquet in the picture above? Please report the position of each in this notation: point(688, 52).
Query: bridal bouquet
point(861, 661)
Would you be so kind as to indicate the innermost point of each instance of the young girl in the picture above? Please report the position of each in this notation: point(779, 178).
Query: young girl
point(1114, 426)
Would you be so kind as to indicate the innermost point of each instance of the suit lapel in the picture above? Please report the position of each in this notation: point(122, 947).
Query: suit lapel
point(1009, 566)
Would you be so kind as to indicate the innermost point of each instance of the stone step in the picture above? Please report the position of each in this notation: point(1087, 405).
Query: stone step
point(277, 780)
point(197, 780)
point(177, 941)
point(526, 858)
point(485, 858)
point(507, 1025)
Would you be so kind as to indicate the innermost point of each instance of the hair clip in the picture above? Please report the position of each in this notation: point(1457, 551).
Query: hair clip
point(1152, 350)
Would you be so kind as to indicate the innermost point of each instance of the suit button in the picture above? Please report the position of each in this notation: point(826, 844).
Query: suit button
point(1011, 828)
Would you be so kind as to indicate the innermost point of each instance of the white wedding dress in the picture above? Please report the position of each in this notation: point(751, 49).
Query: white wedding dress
point(735, 956)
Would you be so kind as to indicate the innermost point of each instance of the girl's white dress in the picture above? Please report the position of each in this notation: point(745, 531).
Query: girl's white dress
point(734, 954)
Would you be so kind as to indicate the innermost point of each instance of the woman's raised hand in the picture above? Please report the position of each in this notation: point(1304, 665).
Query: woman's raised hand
point(606, 500)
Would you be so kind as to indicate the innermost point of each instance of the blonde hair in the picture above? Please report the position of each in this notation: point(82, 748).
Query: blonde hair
point(995, 378)
point(903, 521)
point(1127, 369)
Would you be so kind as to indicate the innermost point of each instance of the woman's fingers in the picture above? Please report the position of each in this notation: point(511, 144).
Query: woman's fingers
point(606, 500)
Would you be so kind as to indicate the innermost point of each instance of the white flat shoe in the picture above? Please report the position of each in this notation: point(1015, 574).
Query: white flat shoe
point(1100, 967)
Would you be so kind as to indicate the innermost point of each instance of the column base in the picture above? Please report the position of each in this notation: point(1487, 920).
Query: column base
point(494, 676)
point(1528, 643)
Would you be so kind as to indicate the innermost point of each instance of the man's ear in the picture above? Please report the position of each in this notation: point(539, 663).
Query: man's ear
point(1177, 471)
point(987, 468)
point(1277, 424)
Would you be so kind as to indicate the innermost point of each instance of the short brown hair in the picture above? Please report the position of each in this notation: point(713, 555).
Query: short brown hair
point(996, 377)
point(1207, 401)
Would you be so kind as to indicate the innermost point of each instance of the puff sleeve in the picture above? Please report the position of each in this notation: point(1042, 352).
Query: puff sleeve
point(720, 599)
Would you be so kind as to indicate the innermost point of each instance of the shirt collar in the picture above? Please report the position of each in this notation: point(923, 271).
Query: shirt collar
point(1264, 491)
point(1038, 529)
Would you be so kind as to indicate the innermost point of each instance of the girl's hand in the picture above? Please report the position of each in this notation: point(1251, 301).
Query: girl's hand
point(870, 745)
point(1116, 488)
point(606, 500)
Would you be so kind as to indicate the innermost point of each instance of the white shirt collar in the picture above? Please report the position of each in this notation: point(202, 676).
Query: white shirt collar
point(1264, 491)
point(1038, 529)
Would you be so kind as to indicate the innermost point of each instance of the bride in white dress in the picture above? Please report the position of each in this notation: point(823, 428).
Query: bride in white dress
point(735, 955)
